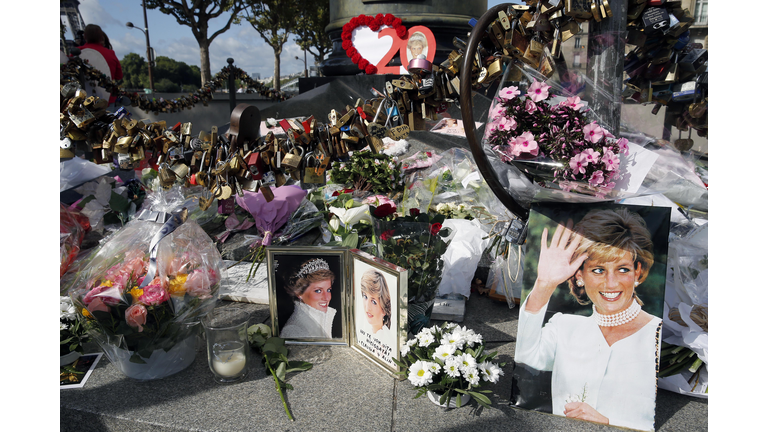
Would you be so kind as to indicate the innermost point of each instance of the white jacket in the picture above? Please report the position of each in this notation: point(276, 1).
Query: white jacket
point(308, 322)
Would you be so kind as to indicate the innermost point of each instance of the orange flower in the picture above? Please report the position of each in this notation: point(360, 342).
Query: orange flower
point(86, 313)
point(176, 285)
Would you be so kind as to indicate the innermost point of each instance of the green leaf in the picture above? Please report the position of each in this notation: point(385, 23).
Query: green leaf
point(350, 240)
point(481, 398)
point(119, 203)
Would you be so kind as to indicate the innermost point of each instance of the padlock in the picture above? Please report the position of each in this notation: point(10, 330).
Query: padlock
point(292, 161)
point(310, 176)
point(166, 176)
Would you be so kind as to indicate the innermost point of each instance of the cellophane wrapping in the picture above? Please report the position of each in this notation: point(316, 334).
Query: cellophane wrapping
point(71, 234)
point(132, 323)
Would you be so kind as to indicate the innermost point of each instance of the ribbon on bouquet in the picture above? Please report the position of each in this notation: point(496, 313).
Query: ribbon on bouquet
point(232, 225)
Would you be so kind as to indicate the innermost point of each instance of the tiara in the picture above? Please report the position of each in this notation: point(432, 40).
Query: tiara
point(312, 266)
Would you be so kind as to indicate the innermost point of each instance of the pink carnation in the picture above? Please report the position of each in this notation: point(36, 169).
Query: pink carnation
point(154, 294)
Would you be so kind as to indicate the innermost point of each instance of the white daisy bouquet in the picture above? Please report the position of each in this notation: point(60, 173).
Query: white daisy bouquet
point(449, 360)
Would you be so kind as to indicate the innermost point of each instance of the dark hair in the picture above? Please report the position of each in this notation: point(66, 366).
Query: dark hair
point(297, 283)
point(373, 283)
point(107, 45)
point(607, 236)
point(93, 34)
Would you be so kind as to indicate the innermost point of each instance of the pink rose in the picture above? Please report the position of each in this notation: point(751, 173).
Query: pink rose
point(198, 284)
point(97, 305)
point(136, 316)
point(154, 294)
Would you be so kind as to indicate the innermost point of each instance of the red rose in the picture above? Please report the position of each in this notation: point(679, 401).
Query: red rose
point(384, 210)
point(371, 69)
point(347, 44)
point(356, 58)
point(363, 64)
point(436, 227)
point(386, 235)
point(402, 32)
point(388, 18)
point(414, 211)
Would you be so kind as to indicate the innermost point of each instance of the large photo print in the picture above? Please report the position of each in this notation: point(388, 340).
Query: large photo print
point(589, 331)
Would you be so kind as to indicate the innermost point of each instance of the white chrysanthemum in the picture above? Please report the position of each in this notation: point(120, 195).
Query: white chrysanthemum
point(490, 371)
point(467, 362)
point(419, 374)
point(434, 367)
point(411, 342)
point(454, 338)
point(63, 326)
point(452, 367)
point(425, 339)
point(444, 352)
point(472, 375)
point(450, 326)
point(405, 349)
point(473, 338)
point(67, 309)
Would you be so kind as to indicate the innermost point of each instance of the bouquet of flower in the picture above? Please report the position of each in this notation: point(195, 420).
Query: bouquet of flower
point(449, 360)
point(368, 171)
point(145, 289)
point(581, 155)
point(72, 229)
point(416, 242)
point(72, 336)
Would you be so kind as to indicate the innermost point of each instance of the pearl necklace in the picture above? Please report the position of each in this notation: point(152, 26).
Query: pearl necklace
point(617, 319)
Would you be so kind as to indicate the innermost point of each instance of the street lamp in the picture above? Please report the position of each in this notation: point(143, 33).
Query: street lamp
point(306, 74)
point(150, 60)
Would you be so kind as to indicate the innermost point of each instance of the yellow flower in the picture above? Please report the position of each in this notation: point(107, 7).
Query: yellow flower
point(136, 292)
point(86, 313)
point(107, 283)
point(176, 285)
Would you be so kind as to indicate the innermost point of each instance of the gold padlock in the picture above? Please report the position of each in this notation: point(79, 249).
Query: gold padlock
point(293, 160)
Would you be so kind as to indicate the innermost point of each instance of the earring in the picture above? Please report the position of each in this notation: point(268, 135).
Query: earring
point(636, 284)
point(580, 283)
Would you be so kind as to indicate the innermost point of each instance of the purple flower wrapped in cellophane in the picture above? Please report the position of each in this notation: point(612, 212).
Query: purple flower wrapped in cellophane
point(271, 215)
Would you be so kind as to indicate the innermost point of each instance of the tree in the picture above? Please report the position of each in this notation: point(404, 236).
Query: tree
point(134, 69)
point(196, 16)
point(273, 19)
point(310, 30)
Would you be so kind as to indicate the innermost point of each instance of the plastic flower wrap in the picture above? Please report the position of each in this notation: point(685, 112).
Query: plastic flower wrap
point(450, 360)
point(71, 234)
point(142, 292)
point(577, 153)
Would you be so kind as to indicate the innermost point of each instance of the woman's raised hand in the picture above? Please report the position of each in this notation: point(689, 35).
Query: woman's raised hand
point(555, 265)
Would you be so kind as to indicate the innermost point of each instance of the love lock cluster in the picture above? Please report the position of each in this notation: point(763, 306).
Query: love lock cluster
point(665, 68)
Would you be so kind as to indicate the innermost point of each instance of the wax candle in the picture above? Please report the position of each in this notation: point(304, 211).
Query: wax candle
point(229, 363)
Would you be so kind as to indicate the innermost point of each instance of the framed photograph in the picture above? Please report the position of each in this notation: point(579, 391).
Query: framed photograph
point(379, 301)
point(308, 294)
point(76, 374)
point(589, 329)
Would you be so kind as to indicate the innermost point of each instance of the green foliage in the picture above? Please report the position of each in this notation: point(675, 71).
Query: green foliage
point(169, 75)
point(313, 17)
point(368, 171)
point(417, 243)
point(273, 20)
point(275, 358)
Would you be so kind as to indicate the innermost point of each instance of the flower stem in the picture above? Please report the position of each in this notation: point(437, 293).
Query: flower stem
point(277, 387)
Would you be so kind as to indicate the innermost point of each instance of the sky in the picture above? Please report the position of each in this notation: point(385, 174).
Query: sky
point(171, 39)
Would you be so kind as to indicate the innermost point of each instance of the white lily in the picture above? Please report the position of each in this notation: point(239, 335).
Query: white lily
point(351, 216)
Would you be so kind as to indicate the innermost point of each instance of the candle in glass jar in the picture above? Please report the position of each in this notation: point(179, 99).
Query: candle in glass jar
point(229, 363)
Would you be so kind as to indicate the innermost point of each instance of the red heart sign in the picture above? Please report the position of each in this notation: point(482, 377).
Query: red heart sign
point(365, 40)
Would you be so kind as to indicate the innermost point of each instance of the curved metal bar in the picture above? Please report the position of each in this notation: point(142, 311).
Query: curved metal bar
point(469, 120)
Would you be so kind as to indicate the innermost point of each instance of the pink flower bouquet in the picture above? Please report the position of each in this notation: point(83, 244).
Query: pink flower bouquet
point(136, 322)
point(551, 140)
